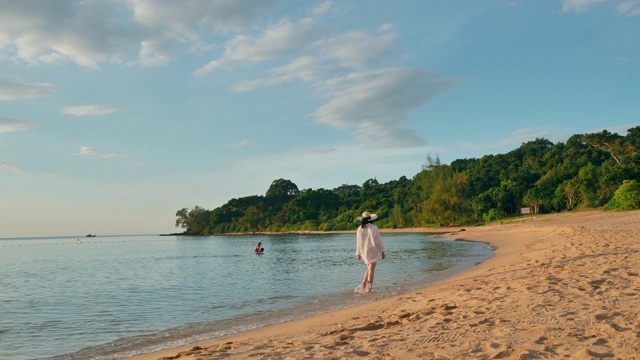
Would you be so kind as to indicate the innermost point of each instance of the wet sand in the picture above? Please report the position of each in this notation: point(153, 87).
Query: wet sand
point(560, 286)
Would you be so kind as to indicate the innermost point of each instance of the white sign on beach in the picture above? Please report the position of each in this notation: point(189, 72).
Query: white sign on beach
point(526, 210)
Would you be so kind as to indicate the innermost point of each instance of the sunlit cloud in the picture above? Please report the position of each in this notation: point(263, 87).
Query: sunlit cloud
point(89, 110)
point(11, 125)
point(328, 57)
point(87, 151)
point(372, 103)
point(85, 32)
point(6, 166)
point(155, 32)
point(376, 103)
point(278, 40)
point(64, 31)
point(13, 89)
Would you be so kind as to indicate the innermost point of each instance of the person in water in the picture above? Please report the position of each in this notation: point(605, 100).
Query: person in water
point(259, 249)
point(369, 247)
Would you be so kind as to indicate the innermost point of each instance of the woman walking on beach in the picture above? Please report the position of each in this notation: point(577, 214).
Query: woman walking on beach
point(369, 247)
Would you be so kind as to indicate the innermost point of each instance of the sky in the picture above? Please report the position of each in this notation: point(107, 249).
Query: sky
point(115, 114)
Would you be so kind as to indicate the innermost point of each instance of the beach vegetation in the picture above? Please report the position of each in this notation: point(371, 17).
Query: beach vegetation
point(627, 197)
point(493, 215)
point(586, 171)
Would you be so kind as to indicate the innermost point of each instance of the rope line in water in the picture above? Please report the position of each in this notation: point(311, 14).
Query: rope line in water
point(83, 243)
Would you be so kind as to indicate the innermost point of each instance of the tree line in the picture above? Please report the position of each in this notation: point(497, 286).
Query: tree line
point(588, 171)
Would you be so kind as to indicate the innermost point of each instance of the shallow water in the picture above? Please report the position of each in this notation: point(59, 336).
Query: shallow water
point(111, 297)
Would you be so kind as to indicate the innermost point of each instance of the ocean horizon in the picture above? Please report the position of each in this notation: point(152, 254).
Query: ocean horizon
point(112, 297)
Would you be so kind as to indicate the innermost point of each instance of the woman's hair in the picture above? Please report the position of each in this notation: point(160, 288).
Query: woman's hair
point(364, 222)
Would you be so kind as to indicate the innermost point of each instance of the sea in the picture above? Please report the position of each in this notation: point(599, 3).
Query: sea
point(114, 297)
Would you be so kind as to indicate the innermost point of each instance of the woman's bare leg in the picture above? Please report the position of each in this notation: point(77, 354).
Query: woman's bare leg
point(366, 277)
point(371, 268)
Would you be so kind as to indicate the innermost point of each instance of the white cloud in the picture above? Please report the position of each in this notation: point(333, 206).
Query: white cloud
point(83, 32)
point(281, 39)
point(376, 103)
point(89, 33)
point(13, 89)
point(11, 125)
point(329, 57)
point(155, 52)
point(306, 69)
point(357, 48)
point(629, 8)
point(323, 8)
point(242, 143)
point(89, 110)
point(89, 151)
point(186, 18)
point(85, 150)
point(579, 5)
point(258, 83)
point(386, 27)
point(6, 166)
point(170, 23)
point(624, 7)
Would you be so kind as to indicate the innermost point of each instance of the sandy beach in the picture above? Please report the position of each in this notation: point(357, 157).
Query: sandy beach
point(560, 286)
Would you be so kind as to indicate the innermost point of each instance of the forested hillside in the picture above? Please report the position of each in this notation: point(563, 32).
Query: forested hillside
point(589, 170)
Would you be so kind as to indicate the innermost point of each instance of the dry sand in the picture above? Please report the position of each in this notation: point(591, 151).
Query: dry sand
point(560, 286)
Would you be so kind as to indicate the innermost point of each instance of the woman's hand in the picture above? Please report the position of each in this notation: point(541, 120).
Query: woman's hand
point(359, 257)
point(383, 255)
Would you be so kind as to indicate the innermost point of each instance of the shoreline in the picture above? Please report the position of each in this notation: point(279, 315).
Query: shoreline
point(554, 289)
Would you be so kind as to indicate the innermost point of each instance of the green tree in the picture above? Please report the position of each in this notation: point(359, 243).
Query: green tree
point(282, 189)
point(493, 215)
point(183, 218)
point(588, 185)
point(194, 221)
point(627, 197)
point(535, 198)
point(444, 193)
point(586, 171)
point(398, 220)
point(568, 191)
point(611, 143)
point(312, 204)
point(350, 195)
point(251, 218)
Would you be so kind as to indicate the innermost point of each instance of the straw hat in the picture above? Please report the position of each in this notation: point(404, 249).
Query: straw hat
point(367, 214)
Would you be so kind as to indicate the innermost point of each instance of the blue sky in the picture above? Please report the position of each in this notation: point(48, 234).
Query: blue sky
point(116, 114)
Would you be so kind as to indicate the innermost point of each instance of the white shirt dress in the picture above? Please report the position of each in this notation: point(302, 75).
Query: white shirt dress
point(369, 243)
